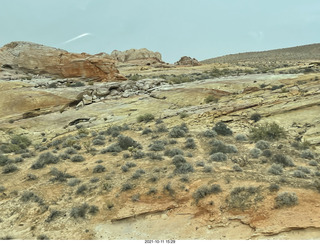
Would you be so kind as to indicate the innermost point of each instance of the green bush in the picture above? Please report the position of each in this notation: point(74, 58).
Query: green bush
point(262, 145)
point(44, 159)
point(173, 152)
point(126, 187)
point(157, 146)
point(274, 187)
point(115, 148)
point(190, 144)
point(205, 190)
point(241, 137)
point(307, 154)
point(10, 168)
point(275, 169)
point(237, 168)
point(255, 152)
point(219, 146)
point(54, 214)
point(286, 199)
point(22, 141)
point(255, 117)
point(79, 211)
point(218, 157)
point(183, 115)
point(182, 166)
point(243, 197)
point(82, 189)
point(125, 142)
point(99, 169)
point(3, 160)
point(222, 129)
point(77, 158)
point(283, 160)
point(209, 133)
point(269, 132)
point(145, 118)
point(59, 175)
point(211, 98)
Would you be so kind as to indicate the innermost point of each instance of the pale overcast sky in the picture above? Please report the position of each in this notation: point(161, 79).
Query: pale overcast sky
point(197, 28)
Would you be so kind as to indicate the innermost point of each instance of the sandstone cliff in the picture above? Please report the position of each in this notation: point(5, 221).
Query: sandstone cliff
point(38, 59)
point(187, 61)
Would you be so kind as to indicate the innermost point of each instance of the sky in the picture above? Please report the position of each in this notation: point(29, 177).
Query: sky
point(201, 29)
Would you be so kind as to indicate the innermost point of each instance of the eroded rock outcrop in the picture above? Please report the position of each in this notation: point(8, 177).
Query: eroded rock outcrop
point(188, 61)
point(38, 59)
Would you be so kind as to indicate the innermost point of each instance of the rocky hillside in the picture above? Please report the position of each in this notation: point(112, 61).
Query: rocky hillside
point(299, 53)
point(185, 152)
point(37, 59)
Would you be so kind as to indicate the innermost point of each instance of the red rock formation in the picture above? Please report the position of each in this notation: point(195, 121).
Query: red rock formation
point(187, 61)
point(39, 59)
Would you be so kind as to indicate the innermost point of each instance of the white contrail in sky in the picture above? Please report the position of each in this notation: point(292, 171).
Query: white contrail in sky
point(77, 37)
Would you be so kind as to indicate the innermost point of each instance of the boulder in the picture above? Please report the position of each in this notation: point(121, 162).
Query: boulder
point(135, 54)
point(188, 61)
point(38, 59)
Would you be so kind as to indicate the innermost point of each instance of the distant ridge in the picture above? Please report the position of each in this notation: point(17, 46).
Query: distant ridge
point(305, 52)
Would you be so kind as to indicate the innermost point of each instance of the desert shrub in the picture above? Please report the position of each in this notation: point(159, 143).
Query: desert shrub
point(267, 153)
point(241, 137)
point(222, 129)
point(210, 99)
point(146, 131)
point(126, 187)
point(79, 211)
point(124, 168)
point(145, 118)
point(28, 196)
point(152, 191)
point(138, 174)
point(207, 169)
point(313, 163)
point(179, 131)
point(183, 115)
point(307, 154)
point(70, 151)
point(98, 142)
point(82, 189)
point(162, 128)
point(243, 197)
point(218, 157)
point(10, 168)
point(3, 160)
point(54, 214)
point(274, 187)
point(135, 198)
point(138, 154)
point(299, 174)
point(130, 164)
point(112, 148)
point(286, 199)
point(209, 133)
point(304, 169)
point(282, 159)
point(21, 141)
point(200, 164)
point(125, 142)
point(59, 175)
point(157, 146)
point(237, 168)
point(172, 142)
point(18, 160)
point(74, 182)
point(113, 131)
point(262, 145)
point(2, 189)
point(268, 132)
point(182, 166)
point(255, 117)
point(173, 152)
point(219, 146)
point(93, 210)
point(168, 188)
point(31, 177)
point(255, 152)
point(190, 144)
point(184, 178)
point(99, 169)
point(300, 145)
point(205, 190)
point(154, 156)
point(42, 236)
point(77, 158)
point(44, 159)
point(275, 169)
point(94, 180)
point(153, 179)
point(64, 156)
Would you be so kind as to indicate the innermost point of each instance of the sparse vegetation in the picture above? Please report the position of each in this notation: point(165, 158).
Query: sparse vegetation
point(269, 132)
point(283, 160)
point(145, 118)
point(244, 197)
point(10, 168)
point(205, 190)
point(79, 211)
point(255, 152)
point(44, 159)
point(77, 158)
point(255, 117)
point(182, 166)
point(222, 129)
point(219, 157)
point(99, 169)
point(210, 99)
point(241, 137)
point(286, 199)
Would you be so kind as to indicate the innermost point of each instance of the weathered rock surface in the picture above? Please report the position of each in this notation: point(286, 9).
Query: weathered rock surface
point(38, 59)
point(188, 61)
point(135, 54)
